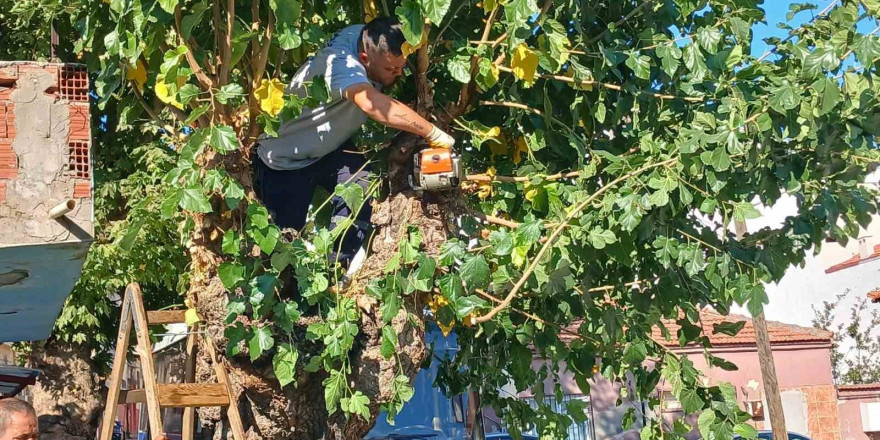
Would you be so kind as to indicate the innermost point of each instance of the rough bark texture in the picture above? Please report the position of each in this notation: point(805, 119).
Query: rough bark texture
point(270, 412)
point(68, 396)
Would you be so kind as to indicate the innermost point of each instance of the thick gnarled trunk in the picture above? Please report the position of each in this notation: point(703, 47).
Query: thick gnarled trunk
point(69, 395)
point(298, 412)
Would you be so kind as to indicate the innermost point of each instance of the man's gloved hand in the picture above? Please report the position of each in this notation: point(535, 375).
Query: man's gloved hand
point(438, 138)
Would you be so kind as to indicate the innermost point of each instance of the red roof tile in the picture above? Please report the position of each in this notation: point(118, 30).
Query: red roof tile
point(860, 387)
point(874, 295)
point(779, 333)
point(855, 260)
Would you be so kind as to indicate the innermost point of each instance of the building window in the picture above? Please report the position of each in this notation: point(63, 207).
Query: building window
point(73, 80)
point(78, 159)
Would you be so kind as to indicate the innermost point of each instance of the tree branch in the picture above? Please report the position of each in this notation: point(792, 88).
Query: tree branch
point(150, 111)
point(621, 21)
point(607, 86)
point(204, 79)
point(544, 9)
point(259, 69)
point(518, 179)
point(555, 234)
point(227, 46)
point(425, 102)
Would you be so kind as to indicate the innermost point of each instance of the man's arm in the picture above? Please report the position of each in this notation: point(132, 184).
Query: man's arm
point(395, 114)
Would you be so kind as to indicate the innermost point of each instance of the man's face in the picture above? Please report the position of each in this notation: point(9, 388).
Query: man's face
point(383, 68)
point(23, 426)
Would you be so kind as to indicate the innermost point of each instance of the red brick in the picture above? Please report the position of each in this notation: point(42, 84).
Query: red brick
point(2, 192)
point(79, 122)
point(9, 74)
point(82, 190)
point(8, 161)
point(7, 120)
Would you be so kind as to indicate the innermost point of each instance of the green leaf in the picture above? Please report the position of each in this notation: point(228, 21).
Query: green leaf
point(284, 364)
point(411, 22)
point(784, 98)
point(230, 274)
point(829, 95)
point(745, 210)
point(599, 237)
point(258, 216)
point(745, 431)
point(867, 49)
point(635, 353)
point(640, 64)
point(231, 242)
point(459, 67)
point(475, 272)
point(502, 242)
point(188, 92)
point(193, 199)
point(517, 12)
point(334, 386)
point(266, 238)
point(352, 194)
point(670, 58)
point(289, 39)
point(234, 335)
point(717, 158)
point(168, 5)
point(287, 12)
point(741, 30)
point(690, 401)
point(389, 342)
point(260, 341)
point(704, 422)
point(465, 305)
point(820, 60)
point(223, 139)
point(728, 328)
point(358, 404)
point(695, 62)
point(390, 304)
point(435, 10)
point(734, 57)
point(189, 21)
point(708, 38)
point(450, 251)
point(227, 93)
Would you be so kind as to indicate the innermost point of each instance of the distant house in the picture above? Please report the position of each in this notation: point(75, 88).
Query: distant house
point(802, 356)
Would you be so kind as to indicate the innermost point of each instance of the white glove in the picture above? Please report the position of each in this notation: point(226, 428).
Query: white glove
point(438, 138)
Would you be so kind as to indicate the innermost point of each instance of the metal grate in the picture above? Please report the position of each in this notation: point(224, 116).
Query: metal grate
point(78, 159)
point(577, 431)
point(73, 80)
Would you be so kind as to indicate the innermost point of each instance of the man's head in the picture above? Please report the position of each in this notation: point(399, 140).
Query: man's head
point(18, 420)
point(380, 50)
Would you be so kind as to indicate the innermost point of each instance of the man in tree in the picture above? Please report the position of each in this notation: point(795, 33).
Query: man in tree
point(315, 148)
point(18, 420)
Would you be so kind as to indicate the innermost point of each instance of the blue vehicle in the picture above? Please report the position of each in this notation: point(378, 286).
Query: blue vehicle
point(768, 435)
point(430, 415)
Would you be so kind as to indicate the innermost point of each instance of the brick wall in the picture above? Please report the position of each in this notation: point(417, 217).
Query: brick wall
point(823, 418)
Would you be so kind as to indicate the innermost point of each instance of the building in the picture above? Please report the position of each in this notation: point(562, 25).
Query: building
point(45, 193)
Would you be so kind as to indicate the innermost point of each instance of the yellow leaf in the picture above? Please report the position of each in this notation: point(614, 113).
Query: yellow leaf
point(531, 191)
point(498, 147)
point(271, 96)
point(370, 11)
point(164, 95)
point(524, 63)
point(493, 132)
point(489, 5)
point(446, 329)
point(520, 146)
point(191, 317)
point(137, 73)
point(484, 189)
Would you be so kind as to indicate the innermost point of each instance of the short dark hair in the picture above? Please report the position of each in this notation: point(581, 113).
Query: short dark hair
point(383, 35)
point(12, 406)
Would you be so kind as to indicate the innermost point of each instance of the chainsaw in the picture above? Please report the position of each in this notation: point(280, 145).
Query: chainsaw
point(436, 169)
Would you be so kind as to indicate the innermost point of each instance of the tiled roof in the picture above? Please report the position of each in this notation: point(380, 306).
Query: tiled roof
point(874, 295)
point(779, 333)
point(855, 260)
point(860, 387)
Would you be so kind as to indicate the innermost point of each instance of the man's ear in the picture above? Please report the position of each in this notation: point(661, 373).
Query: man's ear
point(362, 57)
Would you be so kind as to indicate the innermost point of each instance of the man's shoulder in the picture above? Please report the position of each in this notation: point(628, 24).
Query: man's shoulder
point(346, 38)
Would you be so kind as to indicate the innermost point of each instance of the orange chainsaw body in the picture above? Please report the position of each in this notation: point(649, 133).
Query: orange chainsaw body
point(436, 169)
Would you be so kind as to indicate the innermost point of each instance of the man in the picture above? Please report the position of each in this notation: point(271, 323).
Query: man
point(18, 420)
point(315, 149)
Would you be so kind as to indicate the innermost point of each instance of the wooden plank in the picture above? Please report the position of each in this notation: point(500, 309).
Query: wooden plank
point(137, 395)
point(121, 350)
point(232, 413)
point(181, 395)
point(145, 351)
point(768, 374)
point(189, 372)
point(161, 317)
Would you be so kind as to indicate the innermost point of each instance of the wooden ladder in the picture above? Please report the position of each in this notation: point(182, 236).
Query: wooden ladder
point(187, 395)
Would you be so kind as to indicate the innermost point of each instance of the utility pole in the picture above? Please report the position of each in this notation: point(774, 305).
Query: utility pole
point(768, 366)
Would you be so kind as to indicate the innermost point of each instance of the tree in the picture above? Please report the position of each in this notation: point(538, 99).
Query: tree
point(855, 353)
point(595, 134)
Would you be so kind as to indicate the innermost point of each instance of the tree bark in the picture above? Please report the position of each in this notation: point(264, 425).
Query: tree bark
point(298, 412)
point(68, 396)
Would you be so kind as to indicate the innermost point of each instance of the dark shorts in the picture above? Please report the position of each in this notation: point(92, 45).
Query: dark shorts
point(288, 194)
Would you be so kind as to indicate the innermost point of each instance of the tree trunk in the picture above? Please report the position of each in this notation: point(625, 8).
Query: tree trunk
point(298, 412)
point(68, 396)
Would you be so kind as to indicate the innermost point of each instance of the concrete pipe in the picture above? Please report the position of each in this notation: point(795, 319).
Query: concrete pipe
point(61, 209)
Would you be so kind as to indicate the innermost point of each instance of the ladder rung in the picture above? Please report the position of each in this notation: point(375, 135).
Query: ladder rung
point(179, 395)
point(160, 317)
